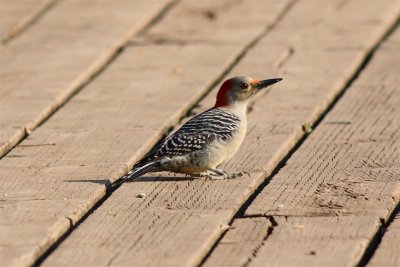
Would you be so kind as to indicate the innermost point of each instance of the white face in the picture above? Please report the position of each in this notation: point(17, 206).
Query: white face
point(243, 88)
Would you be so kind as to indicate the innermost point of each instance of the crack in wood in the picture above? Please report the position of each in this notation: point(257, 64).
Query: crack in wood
point(32, 145)
point(257, 248)
point(158, 41)
point(157, 18)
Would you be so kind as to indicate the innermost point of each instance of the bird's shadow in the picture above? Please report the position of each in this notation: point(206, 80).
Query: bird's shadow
point(162, 179)
point(139, 179)
point(94, 181)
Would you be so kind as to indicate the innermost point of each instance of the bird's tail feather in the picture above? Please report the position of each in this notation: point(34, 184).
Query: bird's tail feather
point(138, 171)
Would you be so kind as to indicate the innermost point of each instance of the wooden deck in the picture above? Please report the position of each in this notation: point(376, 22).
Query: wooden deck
point(88, 87)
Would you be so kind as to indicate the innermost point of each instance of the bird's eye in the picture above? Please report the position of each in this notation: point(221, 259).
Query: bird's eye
point(244, 86)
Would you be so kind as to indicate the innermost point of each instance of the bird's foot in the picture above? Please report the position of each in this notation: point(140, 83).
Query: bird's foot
point(216, 174)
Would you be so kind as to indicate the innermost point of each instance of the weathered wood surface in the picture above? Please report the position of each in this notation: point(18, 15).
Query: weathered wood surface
point(329, 197)
point(58, 173)
point(185, 217)
point(44, 66)
point(16, 16)
point(295, 241)
point(388, 251)
point(241, 242)
point(350, 164)
point(221, 22)
point(77, 145)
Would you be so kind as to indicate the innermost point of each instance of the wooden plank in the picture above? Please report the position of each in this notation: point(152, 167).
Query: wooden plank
point(41, 69)
point(228, 26)
point(137, 244)
point(16, 16)
point(297, 241)
point(331, 194)
point(388, 251)
point(60, 171)
point(240, 242)
point(272, 133)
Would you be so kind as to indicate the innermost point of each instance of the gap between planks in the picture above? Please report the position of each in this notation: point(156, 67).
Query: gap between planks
point(376, 243)
point(28, 21)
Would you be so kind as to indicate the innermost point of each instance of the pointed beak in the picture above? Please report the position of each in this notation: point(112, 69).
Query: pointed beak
point(265, 83)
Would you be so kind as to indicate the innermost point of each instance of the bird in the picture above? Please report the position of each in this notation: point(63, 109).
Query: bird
point(208, 139)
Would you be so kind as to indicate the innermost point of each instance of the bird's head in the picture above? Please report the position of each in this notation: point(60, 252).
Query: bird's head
point(240, 89)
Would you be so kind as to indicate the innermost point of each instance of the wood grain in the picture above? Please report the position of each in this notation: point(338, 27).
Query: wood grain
point(350, 164)
point(60, 171)
point(45, 66)
point(275, 125)
point(388, 251)
point(241, 242)
point(299, 241)
point(329, 197)
point(16, 16)
point(227, 24)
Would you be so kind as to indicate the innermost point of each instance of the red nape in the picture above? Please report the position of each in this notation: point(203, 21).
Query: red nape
point(221, 95)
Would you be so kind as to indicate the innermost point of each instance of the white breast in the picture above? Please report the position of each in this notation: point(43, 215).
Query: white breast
point(221, 151)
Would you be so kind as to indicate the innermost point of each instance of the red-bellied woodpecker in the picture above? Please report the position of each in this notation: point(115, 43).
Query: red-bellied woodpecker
point(208, 139)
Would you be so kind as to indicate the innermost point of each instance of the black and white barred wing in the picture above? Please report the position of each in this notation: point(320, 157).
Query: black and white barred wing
point(196, 134)
point(218, 122)
point(179, 145)
point(183, 144)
